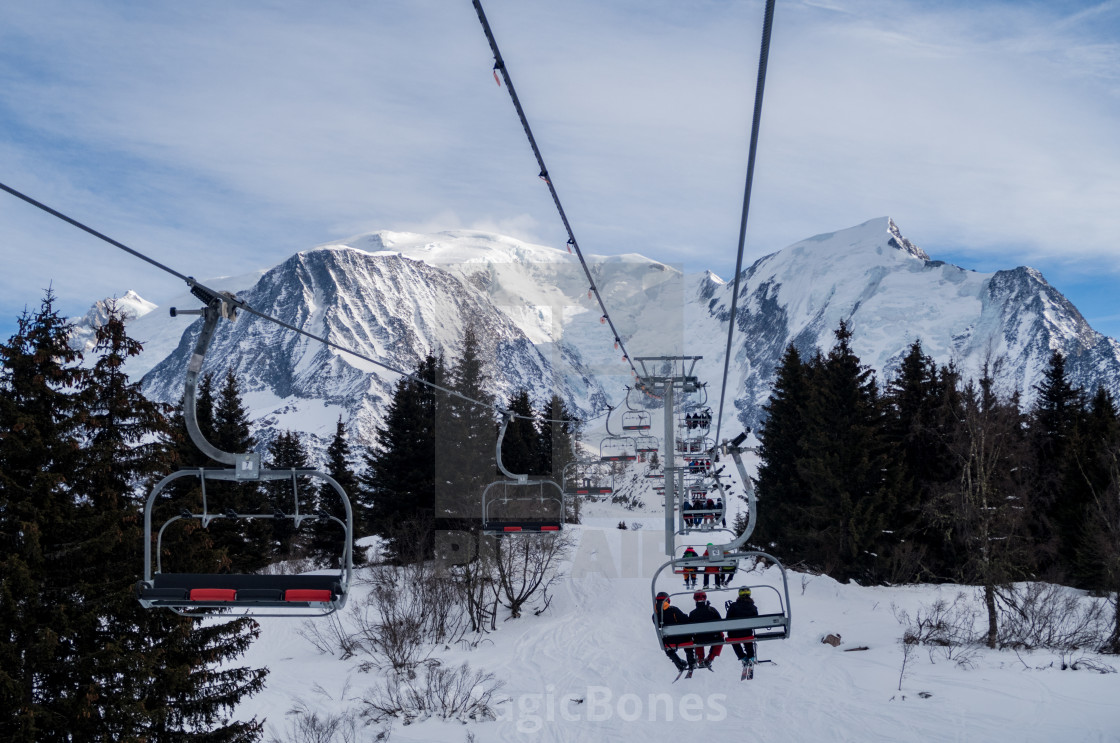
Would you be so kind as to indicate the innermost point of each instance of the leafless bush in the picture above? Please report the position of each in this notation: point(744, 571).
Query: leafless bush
point(946, 629)
point(454, 694)
point(392, 625)
point(476, 584)
point(629, 502)
point(527, 565)
point(940, 623)
point(1081, 662)
point(294, 566)
point(308, 724)
point(408, 610)
point(330, 635)
point(1043, 615)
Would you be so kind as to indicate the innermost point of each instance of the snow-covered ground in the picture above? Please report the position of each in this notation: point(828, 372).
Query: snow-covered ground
point(589, 669)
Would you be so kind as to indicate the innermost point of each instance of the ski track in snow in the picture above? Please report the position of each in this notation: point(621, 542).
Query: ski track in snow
point(596, 644)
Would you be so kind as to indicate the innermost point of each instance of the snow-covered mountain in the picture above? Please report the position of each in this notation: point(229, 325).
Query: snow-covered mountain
point(131, 306)
point(381, 304)
point(396, 296)
point(891, 293)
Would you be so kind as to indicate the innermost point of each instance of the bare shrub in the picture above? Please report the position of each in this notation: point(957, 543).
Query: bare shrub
point(475, 584)
point(1043, 615)
point(391, 624)
point(527, 565)
point(446, 693)
point(1081, 662)
point(407, 612)
point(941, 623)
point(308, 724)
point(330, 635)
point(944, 628)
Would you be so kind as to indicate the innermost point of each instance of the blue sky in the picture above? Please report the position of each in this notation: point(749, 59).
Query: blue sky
point(222, 137)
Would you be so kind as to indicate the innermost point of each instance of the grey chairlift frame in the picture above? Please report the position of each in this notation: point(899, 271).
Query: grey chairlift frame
point(584, 486)
point(252, 593)
point(519, 488)
point(636, 420)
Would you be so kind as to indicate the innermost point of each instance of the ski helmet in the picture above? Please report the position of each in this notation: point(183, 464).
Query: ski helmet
point(700, 596)
point(661, 597)
point(744, 593)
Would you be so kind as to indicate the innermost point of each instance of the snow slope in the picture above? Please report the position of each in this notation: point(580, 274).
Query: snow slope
point(596, 644)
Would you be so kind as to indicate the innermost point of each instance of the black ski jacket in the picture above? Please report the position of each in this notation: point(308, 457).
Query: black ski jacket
point(672, 615)
point(741, 608)
point(705, 613)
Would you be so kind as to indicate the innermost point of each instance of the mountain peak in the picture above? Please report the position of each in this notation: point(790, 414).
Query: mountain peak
point(900, 242)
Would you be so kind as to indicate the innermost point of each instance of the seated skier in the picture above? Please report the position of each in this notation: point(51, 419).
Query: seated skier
point(665, 615)
point(742, 608)
point(704, 612)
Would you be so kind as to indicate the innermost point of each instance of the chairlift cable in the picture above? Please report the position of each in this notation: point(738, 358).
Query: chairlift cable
point(767, 23)
point(500, 67)
point(199, 288)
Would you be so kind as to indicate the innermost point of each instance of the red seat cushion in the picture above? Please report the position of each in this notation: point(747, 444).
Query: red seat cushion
point(213, 594)
point(307, 594)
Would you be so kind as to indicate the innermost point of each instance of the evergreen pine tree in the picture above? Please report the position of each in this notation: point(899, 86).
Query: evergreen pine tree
point(245, 542)
point(398, 484)
point(40, 542)
point(1096, 448)
point(466, 434)
point(557, 430)
point(286, 452)
point(521, 445)
point(782, 496)
point(152, 670)
point(231, 419)
point(919, 401)
point(326, 542)
point(80, 659)
point(1059, 499)
point(848, 470)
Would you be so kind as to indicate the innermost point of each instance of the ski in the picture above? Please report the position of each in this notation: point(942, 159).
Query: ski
point(679, 674)
point(748, 671)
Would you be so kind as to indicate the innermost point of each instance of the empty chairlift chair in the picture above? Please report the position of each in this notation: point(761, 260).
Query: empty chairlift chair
point(195, 594)
point(519, 504)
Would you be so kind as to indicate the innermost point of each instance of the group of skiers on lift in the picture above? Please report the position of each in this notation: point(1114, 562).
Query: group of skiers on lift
point(696, 646)
point(699, 466)
point(702, 419)
point(703, 512)
point(723, 574)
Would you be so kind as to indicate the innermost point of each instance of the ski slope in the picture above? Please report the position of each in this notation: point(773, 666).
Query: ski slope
point(589, 669)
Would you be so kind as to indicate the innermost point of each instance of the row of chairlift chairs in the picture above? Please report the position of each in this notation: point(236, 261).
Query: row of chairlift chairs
point(707, 517)
point(516, 504)
point(694, 447)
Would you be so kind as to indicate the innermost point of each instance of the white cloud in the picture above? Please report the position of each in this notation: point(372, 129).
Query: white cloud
point(230, 135)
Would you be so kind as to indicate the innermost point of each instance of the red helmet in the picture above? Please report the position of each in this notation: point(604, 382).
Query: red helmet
point(700, 596)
